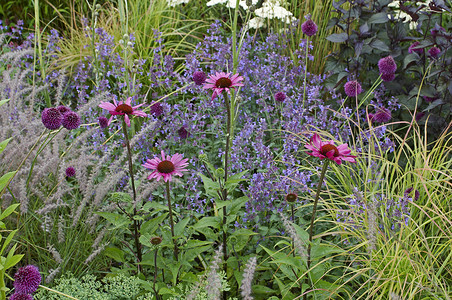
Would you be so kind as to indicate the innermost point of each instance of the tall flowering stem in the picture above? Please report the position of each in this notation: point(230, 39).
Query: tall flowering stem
point(136, 223)
point(314, 210)
point(176, 250)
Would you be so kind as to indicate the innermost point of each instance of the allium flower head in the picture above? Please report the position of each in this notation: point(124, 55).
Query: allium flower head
point(434, 52)
point(387, 77)
point(63, 109)
point(156, 109)
point(166, 167)
point(71, 120)
point(309, 28)
point(103, 122)
point(70, 172)
point(27, 280)
point(51, 118)
point(413, 49)
point(387, 65)
point(183, 133)
point(280, 96)
point(352, 88)
point(125, 109)
point(199, 77)
point(329, 150)
point(222, 82)
point(382, 115)
point(21, 296)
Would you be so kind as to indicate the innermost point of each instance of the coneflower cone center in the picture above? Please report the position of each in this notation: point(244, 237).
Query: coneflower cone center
point(223, 82)
point(165, 167)
point(327, 148)
point(291, 197)
point(124, 108)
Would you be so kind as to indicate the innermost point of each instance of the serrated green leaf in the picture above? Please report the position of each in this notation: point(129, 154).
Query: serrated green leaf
point(210, 186)
point(4, 143)
point(149, 227)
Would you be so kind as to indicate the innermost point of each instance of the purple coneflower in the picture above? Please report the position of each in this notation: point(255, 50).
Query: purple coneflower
point(51, 118)
point(27, 280)
point(199, 77)
point(352, 88)
point(166, 167)
point(309, 27)
point(280, 96)
point(125, 109)
point(71, 120)
point(222, 82)
point(329, 150)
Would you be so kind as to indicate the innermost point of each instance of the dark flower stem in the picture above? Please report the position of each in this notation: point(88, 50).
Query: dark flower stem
point(305, 69)
point(176, 250)
point(155, 273)
point(136, 224)
point(314, 210)
point(225, 191)
point(293, 220)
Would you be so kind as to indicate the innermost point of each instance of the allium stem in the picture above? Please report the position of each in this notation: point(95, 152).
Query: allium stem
point(314, 210)
point(176, 250)
point(136, 224)
point(305, 69)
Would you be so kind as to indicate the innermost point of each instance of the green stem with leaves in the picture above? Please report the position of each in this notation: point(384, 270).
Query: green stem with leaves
point(136, 223)
point(176, 250)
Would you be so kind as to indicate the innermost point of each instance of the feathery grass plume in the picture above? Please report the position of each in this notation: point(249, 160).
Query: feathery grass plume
point(372, 226)
point(52, 273)
point(213, 279)
point(61, 229)
point(99, 238)
point(299, 244)
point(60, 86)
point(56, 255)
point(95, 253)
point(247, 280)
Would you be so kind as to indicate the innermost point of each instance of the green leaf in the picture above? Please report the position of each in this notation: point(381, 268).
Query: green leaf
point(154, 205)
point(413, 57)
point(213, 222)
point(378, 18)
point(8, 240)
point(9, 210)
point(114, 253)
point(379, 45)
point(14, 260)
point(323, 250)
point(234, 180)
point(120, 197)
point(4, 143)
point(337, 37)
point(263, 290)
point(149, 227)
point(240, 238)
point(180, 226)
point(3, 101)
point(118, 220)
point(5, 179)
point(237, 204)
point(210, 186)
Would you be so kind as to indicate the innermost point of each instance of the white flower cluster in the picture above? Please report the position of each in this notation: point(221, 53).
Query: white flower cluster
point(271, 9)
point(231, 3)
point(401, 14)
point(173, 3)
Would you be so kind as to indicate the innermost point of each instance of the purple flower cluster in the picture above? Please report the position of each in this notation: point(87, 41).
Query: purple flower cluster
point(27, 280)
point(387, 67)
point(52, 118)
point(352, 88)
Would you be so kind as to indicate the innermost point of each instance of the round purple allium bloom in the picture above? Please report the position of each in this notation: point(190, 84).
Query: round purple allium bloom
point(70, 172)
point(434, 32)
point(51, 118)
point(412, 49)
point(21, 296)
point(280, 96)
point(27, 279)
point(63, 109)
point(387, 65)
point(387, 77)
point(71, 120)
point(156, 109)
point(352, 88)
point(382, 115)
point(309, 27)
point(434, 52)
point(199, 77)
point(103, 122)
point(183, 133)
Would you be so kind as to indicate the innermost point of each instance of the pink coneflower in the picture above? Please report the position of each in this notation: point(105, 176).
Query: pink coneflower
point(222, 82)
point(121, 108)
point(328, 150)
point(166, 167)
